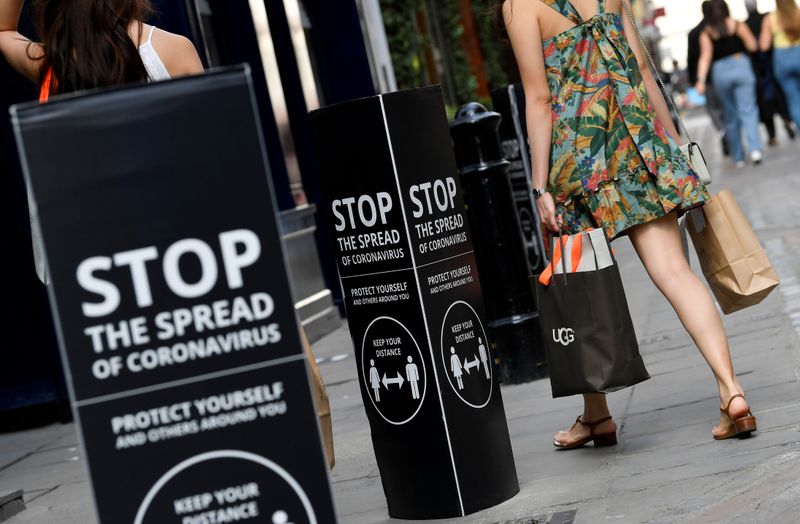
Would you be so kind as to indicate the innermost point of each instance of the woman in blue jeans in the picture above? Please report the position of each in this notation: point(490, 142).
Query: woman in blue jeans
point(724, 47)
point(783, 33)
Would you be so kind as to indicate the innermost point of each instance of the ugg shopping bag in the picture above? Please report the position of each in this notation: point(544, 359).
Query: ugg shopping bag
point(733, 261)
point(589, 337)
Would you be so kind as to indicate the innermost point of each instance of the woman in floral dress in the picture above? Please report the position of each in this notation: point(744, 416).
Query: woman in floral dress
point(605, 154)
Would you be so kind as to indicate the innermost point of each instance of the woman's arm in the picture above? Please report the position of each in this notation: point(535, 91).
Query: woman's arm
point(526, 40)
point(704, 65)
point(765, 38)
point(23, 55)
point(651, 86)
point(743, 32)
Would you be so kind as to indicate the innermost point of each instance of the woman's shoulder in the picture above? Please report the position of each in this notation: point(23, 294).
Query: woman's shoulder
point(509, 6)
point(734, 25)
point(769, 20)
point(176, 51)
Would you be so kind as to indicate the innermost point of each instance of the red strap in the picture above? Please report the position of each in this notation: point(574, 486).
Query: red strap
point(547, 274)
point(44, 92)
point(575, 258)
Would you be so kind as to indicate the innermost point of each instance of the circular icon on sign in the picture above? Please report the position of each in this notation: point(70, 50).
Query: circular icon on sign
point(226, 485)
point(465, 355)
point(393, 370)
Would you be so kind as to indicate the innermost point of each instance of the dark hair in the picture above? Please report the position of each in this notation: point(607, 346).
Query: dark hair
point(718, 14)
point(86, 42)
point(498, 20)
point(706, 7)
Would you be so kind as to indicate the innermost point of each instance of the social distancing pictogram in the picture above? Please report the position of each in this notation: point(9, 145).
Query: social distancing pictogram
point(465, 355)
point(271, 493)
point(393, 370)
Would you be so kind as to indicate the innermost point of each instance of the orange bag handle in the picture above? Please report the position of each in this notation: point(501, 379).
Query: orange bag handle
point(575, 258)
point(44, 92)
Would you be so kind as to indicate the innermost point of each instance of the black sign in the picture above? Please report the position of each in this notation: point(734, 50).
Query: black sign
point(174, 309)
point(414, 305)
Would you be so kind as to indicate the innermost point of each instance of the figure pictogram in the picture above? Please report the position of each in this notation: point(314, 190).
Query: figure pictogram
point(465, 355)
point(393, 369)
point(455, 367)
point(412, 375)
point(484, 357)
point(375, 380)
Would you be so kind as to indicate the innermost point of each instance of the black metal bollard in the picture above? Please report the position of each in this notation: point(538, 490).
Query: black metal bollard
point(500, 251)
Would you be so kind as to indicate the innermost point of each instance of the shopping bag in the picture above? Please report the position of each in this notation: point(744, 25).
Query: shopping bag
point(589, 337)
point(731, 257)
point(321, 401)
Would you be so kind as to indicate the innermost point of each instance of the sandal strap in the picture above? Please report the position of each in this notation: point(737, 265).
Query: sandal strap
point(738, 395)
point(596, 422)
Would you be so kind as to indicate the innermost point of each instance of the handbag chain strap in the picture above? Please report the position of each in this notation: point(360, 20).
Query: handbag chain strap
point(664, 89)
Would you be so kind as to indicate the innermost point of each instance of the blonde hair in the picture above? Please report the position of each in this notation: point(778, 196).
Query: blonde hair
point(789, 18)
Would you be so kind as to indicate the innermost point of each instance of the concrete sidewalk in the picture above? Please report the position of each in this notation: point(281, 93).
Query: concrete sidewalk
point(666, 467)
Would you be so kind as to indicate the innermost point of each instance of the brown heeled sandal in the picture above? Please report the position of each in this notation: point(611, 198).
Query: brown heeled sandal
point(742, 426)
point(600, 440)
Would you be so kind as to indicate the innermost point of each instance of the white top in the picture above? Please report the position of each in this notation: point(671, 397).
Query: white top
point(156, 69)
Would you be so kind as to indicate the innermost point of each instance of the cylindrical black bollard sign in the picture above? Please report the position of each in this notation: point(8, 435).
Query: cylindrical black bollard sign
point(414, 304)
point(174, 311)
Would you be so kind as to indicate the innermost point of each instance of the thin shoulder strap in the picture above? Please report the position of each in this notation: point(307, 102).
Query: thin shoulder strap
point(150, 38)
point(664, 90)
point(601, 6)
point(48, 83)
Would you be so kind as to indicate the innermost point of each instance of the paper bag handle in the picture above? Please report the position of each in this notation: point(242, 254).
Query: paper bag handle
point(575, 258)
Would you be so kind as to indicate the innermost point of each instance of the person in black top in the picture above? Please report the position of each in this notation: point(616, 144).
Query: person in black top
point(771, 101)
point(724, 47)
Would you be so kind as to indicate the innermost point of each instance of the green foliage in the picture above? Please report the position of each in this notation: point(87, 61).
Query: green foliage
point(464, 83)
point(406, 45)
point(492, 46)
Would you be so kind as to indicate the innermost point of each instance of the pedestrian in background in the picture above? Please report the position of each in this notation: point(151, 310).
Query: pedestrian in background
point(782, 32)
point(604, 154)
point(724, 47)
point(771, 101)
point(678, 79)
point(713, 106)
point(86, 44)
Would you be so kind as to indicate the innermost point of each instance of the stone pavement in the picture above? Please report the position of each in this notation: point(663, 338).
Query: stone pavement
point(666, 467)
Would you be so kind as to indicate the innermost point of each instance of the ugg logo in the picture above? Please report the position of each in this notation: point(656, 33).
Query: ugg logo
point(564, 336)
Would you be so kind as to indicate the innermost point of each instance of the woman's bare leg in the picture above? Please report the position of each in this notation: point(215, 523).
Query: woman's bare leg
point(658, 245)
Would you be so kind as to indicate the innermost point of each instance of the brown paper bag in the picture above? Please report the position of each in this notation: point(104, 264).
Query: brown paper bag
point(321, 400)
point(732, 259)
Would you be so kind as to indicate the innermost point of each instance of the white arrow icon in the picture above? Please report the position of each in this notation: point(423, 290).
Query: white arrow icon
point(399, 380)
point(475, 363)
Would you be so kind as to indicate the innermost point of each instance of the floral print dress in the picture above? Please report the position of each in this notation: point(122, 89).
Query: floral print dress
point(613, 165)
